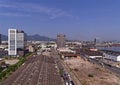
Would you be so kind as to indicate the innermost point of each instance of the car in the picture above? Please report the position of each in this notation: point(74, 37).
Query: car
point(66, 83)
point(109, 65)
point(72, 83)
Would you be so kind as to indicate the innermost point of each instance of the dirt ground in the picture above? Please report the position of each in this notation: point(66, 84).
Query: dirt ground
point(92, 74)
point(113, 63)
point(11, 62)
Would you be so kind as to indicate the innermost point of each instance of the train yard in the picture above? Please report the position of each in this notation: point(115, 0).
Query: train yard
point(37, 70)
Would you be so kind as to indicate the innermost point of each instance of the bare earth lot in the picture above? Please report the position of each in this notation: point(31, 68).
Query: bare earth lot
point(12, 61)
point(92, 74)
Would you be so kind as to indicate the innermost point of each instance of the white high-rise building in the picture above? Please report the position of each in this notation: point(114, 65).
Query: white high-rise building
point(15, 41)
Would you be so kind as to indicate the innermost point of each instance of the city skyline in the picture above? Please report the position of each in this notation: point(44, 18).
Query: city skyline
point(80, 19)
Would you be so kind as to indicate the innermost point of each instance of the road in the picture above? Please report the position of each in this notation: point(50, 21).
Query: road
point(62, 66)
point(38, 70)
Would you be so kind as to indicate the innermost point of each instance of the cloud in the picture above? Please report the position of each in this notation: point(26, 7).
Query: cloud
point(36, 8)
point(14, 14)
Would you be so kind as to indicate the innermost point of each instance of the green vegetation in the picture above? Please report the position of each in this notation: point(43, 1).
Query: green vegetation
point(84, 83)
point(61, 72)
point(1, 69)
point(90, 75)
point(4, 74)
point(76, 69)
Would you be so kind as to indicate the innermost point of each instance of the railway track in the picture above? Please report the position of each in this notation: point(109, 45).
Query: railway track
point(38, 70)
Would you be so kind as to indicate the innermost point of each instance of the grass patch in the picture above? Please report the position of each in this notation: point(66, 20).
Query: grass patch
point(76, 69)
point(90, 75)
point(61, 72)
point(12, 68)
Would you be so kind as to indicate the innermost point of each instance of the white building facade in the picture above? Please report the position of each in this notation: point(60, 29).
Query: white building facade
point(15, 41)
point(112, 57)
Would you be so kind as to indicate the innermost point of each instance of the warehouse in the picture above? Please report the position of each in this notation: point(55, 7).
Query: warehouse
point(92, 53)
point(113, 56)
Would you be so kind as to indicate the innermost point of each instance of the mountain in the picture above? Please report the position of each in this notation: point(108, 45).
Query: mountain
point(4, 38)
point(35, 37)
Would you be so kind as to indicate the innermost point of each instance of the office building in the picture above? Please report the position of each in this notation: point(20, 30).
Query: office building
point(20, 39)
point(60, 41)
point(16, 40)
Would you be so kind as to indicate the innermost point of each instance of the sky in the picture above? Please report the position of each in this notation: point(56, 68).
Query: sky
point(77, 19)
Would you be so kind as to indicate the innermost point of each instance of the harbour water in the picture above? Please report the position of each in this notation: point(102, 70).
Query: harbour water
point(117, 49)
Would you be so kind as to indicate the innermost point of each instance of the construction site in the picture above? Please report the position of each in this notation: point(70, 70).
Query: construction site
point(90, 73)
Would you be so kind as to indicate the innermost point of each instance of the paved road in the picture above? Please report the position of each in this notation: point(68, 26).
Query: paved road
point(62, 66)
point(38, 70)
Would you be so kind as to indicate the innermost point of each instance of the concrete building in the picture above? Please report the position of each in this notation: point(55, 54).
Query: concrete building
point(16, 40)
point(92, 53)
point(31, 48)
point(65, 50)
point(61, 41)
point(20, 37)
point(67, 53)
point(112, 56)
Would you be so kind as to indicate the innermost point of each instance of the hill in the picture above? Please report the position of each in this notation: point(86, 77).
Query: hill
point(35, 37)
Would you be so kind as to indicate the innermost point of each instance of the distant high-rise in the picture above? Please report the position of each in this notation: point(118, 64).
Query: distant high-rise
point(0, 39)
point(16, 41)
point(61, 40)
point(95, 40)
